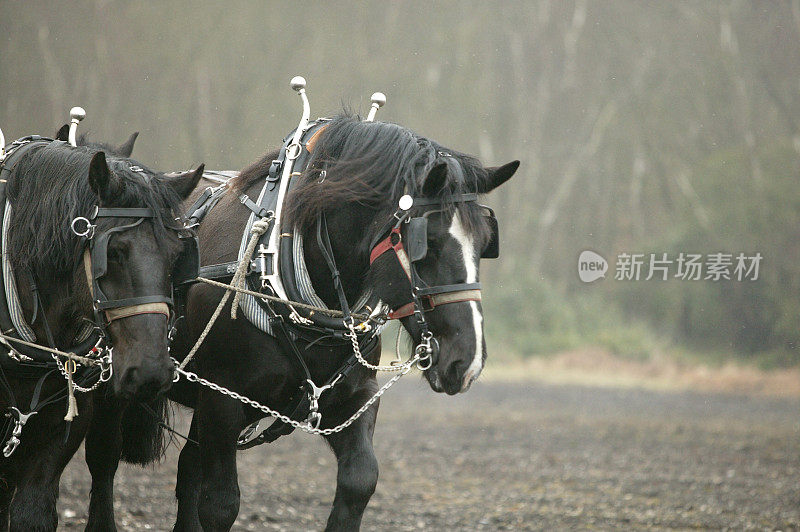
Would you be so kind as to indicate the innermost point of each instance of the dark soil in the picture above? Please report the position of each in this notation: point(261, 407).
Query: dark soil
point(515, 457)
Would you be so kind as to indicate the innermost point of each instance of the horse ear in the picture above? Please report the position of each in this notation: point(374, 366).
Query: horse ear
point(496, 176)
point(435, 180)
point(101, 180)
point(62, 133)
point(185, 182)
point(126, 148)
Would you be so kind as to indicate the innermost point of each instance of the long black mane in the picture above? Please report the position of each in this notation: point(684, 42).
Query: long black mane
point(372, 164)
point(50, 186)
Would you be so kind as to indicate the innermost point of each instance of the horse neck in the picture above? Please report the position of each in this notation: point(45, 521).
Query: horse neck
point(65, 303)
point(346, 230)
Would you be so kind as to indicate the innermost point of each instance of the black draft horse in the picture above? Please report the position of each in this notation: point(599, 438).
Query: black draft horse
point(48, 187)
point(368, 166)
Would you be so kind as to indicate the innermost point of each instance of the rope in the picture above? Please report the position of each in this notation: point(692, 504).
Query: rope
point(71, 356)
point(203, 335)
point(259, 227)
point(72, 404)
point(331, 312)
point(237, 285)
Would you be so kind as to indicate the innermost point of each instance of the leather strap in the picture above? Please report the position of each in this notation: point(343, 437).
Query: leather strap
point(120, 307)
point(437, 300)
point(432, 296)
point(134, 310)
point(313, 140)
point(124, 212)
point(131, 301)
point(457, 198)
point(446, 288)
point(386, 244)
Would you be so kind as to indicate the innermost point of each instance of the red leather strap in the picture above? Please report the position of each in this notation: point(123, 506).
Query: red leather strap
point(386, 244)
point(431, 301)
point(382, 247)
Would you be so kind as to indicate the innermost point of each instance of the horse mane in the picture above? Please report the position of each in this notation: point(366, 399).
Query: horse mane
point(49, 187)
point(257, 171)
point(372, 164)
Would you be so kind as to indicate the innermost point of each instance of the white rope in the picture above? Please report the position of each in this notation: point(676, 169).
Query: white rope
point(238, 281)
point(68, 370)
point(259, 227)
point(287, 302)
point(72, 403)
point(71, 356)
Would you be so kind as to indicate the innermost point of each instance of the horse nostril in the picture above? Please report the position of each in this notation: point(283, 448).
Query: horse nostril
point(454, 371)
point(146, 382)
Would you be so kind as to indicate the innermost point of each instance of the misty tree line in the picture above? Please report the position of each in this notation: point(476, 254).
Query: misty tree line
point(642, 128)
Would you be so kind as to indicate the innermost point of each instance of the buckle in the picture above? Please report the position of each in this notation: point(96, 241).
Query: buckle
point(275, 168)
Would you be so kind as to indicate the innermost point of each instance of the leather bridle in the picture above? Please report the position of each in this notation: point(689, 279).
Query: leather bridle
point(95, 257)
point(423, 298)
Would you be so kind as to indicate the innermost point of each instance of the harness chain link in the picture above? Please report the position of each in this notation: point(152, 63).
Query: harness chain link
point(357, 352)
point(67, 369)
point(420, 358)
point(105, 371)
point(304, 426)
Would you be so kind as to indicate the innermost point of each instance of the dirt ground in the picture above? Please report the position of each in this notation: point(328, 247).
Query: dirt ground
point(516, 456)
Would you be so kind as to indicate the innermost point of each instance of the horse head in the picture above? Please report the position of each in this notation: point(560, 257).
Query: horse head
point(443, 237)
point(404, 221)
point(133, 271)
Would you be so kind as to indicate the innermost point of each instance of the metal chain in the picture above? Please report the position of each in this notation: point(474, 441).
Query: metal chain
point(105, 371)
point(421, 358)
point(302, 425)
point(357, 352)
point(104, 362)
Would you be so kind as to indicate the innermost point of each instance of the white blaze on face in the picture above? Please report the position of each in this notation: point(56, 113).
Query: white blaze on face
point(470, 263)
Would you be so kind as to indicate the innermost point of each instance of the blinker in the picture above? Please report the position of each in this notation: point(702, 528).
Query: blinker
point(187, 266)
point(417, 238)
point(492, 249)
